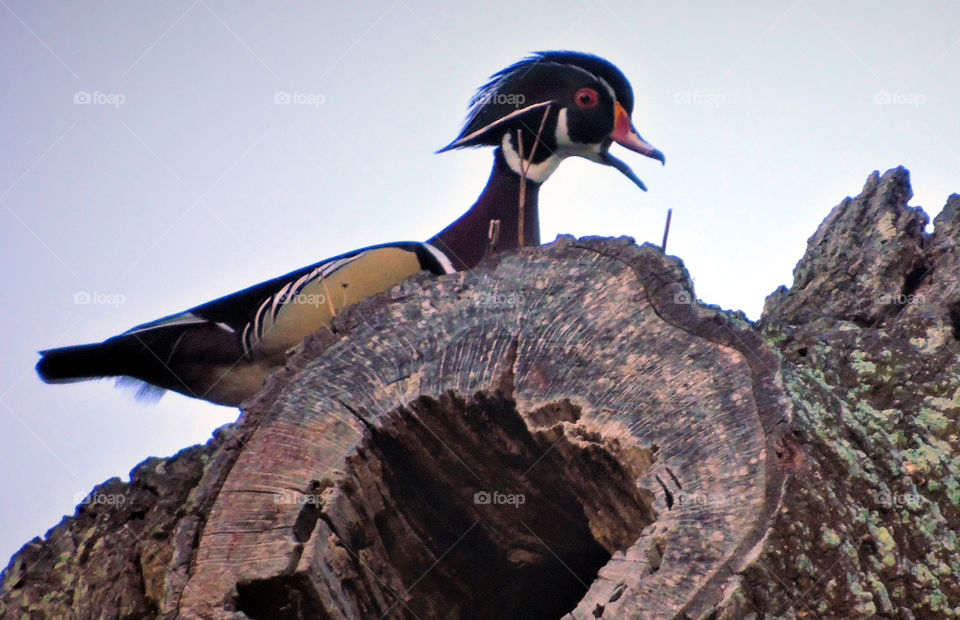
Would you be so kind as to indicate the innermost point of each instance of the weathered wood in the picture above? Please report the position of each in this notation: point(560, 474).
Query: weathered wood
point(668, 403)
point(579, 376)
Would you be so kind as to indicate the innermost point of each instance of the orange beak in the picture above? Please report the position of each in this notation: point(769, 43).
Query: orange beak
point(626, 135)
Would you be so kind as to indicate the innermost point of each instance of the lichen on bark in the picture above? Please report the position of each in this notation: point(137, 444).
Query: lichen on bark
point(673, 459)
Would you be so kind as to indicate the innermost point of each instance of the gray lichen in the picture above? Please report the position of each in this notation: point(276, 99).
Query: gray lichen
point(817, 450)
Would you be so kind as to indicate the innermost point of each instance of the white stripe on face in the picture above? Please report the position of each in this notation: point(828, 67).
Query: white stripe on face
point(606, 84)
point(499, 121)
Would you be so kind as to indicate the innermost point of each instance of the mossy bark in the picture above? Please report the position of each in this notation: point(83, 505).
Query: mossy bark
point(566, 430)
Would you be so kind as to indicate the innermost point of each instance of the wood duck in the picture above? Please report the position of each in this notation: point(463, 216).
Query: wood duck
point(544, 108)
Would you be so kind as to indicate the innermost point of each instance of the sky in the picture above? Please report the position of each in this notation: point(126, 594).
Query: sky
point(158, 155)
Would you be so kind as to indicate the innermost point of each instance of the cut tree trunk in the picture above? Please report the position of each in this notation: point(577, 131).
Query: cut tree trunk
point(565, 430)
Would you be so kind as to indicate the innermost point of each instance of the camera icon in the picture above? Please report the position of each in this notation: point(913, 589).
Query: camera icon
point(682, 297)
point(281, 97)
point(81, 298)
point(481, 498)
point(81, 97)
point(882, 97)
point(682, 97)
point(884, 499)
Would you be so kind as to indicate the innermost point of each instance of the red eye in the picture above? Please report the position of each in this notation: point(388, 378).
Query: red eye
point(586, 98)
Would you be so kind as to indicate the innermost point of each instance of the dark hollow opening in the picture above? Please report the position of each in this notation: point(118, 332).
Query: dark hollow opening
point(954, 310)
point(279, 598)
point(468, 513)
point(914, 278)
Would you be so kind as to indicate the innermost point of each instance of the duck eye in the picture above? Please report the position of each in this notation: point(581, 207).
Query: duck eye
point(586, 98)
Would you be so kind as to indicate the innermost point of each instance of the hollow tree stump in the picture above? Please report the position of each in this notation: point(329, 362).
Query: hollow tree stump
point(622, 428)
point(562, 431)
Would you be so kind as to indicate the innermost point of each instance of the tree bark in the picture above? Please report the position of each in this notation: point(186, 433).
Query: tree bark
point(566, 430)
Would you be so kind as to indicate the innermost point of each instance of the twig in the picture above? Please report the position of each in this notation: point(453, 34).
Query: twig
point(523, 187)
point(666, 231)
point(525, 168)
point(493, 234)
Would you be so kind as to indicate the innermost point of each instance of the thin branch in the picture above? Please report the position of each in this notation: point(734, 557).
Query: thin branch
point(525, 168)
point(523, 186)
point(666, 231)
point(493, 233)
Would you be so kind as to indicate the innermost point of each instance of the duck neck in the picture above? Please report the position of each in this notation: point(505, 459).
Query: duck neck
point(472, 238)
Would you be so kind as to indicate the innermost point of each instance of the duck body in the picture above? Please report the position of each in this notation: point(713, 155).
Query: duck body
point(534, 113)
point(222, 351)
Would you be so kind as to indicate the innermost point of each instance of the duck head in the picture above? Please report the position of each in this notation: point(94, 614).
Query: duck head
point(554, 105)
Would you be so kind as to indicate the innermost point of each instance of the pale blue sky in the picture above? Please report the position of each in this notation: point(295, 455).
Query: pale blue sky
point(183, 180)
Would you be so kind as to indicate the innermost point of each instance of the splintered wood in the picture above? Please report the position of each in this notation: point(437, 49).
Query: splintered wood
point(562, 430)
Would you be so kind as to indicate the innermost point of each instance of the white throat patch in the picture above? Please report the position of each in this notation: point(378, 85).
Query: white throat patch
point(566, 147)
point(536, 172)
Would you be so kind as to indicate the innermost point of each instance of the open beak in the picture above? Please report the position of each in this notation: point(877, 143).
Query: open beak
point(626, 135)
